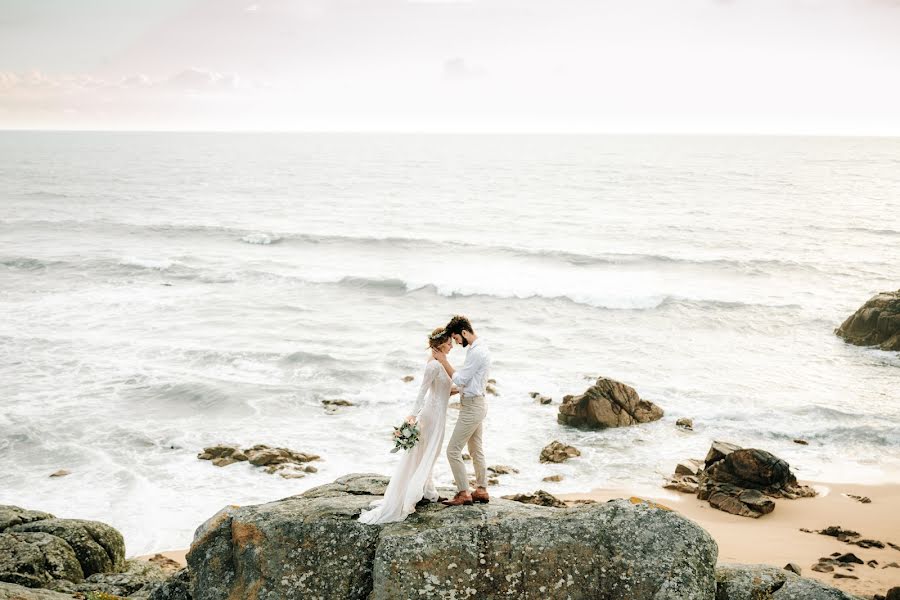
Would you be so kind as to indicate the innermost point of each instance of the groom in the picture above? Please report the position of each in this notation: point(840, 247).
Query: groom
point(471, 380)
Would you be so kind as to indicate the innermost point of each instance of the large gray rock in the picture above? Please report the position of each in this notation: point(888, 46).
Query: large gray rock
point(34, 559)
point(312, 546)
point(14, 515)
point(876, 323)
point(99, 547)
point(177, 587)
point(762, 582)
point(607, 403)
point(138, 579)
point(11, 591)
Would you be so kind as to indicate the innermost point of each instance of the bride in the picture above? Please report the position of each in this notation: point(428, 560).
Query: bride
point(412, 480)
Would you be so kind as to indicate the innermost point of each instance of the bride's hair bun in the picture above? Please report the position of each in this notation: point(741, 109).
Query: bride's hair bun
point(438, 337)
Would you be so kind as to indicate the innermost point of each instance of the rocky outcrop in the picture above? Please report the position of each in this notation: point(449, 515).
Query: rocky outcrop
point(69, 557)
point(758, 582)
point(136, 581)
point(178, 587)
point(751, 468)
point(557, 452)
point(11, 591)
point(288, 463)
point(98, 547)
point(741, 481)
point(876, 323)
point(539, 498)
point(35, 559)
point(36, 548)
point(607, 403)
point(312, 545)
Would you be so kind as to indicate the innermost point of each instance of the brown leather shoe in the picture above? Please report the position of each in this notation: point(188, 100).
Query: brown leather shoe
point(460, 498)
point(480, 495)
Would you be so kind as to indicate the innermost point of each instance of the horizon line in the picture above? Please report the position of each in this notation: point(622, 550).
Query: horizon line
point(464, 132)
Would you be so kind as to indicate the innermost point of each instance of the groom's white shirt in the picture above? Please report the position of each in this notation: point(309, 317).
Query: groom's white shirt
point(472, 378)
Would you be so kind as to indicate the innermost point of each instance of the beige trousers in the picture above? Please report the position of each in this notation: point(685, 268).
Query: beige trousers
point(468, 431)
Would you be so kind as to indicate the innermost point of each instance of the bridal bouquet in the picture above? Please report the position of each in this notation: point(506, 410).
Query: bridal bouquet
point(406, 436)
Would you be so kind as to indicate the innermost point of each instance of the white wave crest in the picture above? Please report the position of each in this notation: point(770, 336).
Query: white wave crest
point(261, 238)
point(160, 264)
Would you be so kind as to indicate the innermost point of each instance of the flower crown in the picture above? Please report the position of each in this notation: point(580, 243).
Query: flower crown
point(437, 335)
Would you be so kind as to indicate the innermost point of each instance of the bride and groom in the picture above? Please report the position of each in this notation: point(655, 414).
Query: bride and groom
point(412, 483)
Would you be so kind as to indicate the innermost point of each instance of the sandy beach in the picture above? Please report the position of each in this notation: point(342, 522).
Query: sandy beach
point(776, 539)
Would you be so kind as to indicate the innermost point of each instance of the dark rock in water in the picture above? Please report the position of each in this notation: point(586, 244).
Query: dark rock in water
point(872, 563)
point(893, 594)
point(557, 452)
point(60, 473)
point(312, 545)
point(34, 559)
point(99, 547)
point(876, 323)
point(842, 534)
point(502, 469)
point(540, 498)
point(844, 576)
point(860, 499)
point(489, 389)
point(762, 582)
point(284, 461)
point(793, 568)
point(178, 587)
point(553, 478)
point(11, 591)
point(408, 378)
point(801, 442)
point(607, 403)
point(337, 403)
point(685, 423)
point(823, 567)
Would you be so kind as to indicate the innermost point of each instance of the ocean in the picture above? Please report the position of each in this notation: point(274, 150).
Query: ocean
point(162, 292)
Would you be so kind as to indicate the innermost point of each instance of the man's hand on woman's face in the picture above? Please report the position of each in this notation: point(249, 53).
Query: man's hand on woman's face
point(438, 354)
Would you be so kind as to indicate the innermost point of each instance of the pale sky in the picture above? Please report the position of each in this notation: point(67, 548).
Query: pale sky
point(641, 66)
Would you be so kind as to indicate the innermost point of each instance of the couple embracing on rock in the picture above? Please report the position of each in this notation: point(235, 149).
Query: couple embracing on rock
point(412, 482)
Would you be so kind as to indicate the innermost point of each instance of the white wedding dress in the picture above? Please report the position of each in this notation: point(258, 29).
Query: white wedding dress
point(412, 478)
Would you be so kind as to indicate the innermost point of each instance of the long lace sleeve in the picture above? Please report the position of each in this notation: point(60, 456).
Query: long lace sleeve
point(427, 379)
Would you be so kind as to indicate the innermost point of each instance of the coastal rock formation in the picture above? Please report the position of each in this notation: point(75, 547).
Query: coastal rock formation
point(11, 591)
point(284, 461)
point(36, 559)
point(178, 587)
point(137, 581)
point(557, 452)
point(540, 498)
point(876, 323)
point(98, 547)
point(607, 403)
point(68, 556)
point(312, 545)
point(758, 582)
point(751, 468)
point(741, 481)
